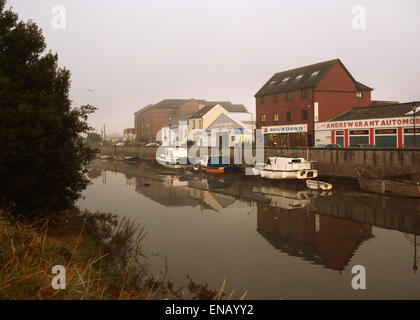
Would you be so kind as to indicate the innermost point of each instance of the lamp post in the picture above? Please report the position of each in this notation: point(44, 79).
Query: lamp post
point(414, 108)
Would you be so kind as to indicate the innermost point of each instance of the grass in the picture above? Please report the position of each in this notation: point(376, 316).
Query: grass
point(102, 256)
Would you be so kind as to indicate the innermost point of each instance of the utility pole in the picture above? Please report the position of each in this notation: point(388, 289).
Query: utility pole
point(414, 108)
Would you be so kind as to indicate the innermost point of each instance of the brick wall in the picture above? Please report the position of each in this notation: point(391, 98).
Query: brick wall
point(153, 120)
point(335, 93)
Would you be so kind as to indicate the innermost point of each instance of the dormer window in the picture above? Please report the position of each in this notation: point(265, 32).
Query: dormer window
point(359, 94)
point(315, 74)
point(299, 77)
point(286, 79)
point(272, 83)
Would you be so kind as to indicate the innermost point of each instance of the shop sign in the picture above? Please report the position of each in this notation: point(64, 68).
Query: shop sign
point(298, 128)
point(369, 123)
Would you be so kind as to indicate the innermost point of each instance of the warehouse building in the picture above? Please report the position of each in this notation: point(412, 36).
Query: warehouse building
point(388, 126)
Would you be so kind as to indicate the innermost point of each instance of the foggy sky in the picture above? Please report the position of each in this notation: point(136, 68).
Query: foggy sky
point(132, 53)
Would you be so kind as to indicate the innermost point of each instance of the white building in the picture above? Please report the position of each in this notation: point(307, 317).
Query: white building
point(230, 129)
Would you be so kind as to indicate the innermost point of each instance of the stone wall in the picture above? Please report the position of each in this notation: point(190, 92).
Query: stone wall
point(329, 162)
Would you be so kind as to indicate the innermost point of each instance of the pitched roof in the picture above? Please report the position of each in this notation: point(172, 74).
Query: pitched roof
point(227, 105)
point(168, 104)
point(377, 112)
point(200, 113)
point(243, 120)
point(303, 77)
point(361, 86)
point(176, 103)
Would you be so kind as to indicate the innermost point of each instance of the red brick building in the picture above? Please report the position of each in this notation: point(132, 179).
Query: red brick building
point(292, 101)
point(149, 120)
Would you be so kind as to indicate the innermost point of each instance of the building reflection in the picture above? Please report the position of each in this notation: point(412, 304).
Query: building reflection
point(321, 239)
point(325, 229)
point(173, 191)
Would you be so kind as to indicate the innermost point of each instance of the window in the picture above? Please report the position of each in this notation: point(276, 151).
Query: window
point(304, 93)
point(286, 79)
point(276, 117)
point(289, 116)
point(359, 94)
point(289, 95)
point(315, 73)
point(276, 98)
point(304, 114)
point(200, 124)
point(272, 83)
point(263, 118)
point(193, 124)
point(262, 100)
point(299, 77)
point(359, 137)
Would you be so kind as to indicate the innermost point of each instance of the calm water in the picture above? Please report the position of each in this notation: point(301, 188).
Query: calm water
point(275, 240)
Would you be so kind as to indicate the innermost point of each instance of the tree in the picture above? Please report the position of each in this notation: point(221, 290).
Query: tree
point(42, 156)
point(94, 138)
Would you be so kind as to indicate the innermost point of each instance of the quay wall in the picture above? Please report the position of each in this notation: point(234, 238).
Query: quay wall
point(340, 163)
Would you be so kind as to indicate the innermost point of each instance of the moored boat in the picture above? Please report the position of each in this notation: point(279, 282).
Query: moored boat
point(174, 158)
point(368, 182)
point(318, 185)
point(131, 159)
point(217, 165)
point(288, 168)
point(107, 157)
point(390, 187)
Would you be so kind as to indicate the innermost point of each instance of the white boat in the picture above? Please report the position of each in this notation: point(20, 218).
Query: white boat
point(288, 168)
point(318, 185)
point(175, 158)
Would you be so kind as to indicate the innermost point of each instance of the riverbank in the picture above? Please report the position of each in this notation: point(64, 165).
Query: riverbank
point(101, 254)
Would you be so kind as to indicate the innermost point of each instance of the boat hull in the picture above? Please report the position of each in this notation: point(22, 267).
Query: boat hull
point(289, 175)
point(318, 185)
point(389, 187)
point(214, 170)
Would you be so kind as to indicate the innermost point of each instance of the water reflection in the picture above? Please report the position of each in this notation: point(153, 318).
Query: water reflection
point(287, 225)
point(323, 240)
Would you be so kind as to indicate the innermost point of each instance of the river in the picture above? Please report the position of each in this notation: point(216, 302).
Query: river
point(273, 240)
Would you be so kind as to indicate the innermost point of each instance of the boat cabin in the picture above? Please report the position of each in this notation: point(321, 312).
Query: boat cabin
point(288, 164)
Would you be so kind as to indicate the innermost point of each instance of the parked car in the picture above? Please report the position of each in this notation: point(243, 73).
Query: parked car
point(362, 146)
point(152, 145)
point(328, 146)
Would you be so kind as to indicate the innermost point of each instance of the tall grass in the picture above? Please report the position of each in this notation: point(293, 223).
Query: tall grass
point(102, 256)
